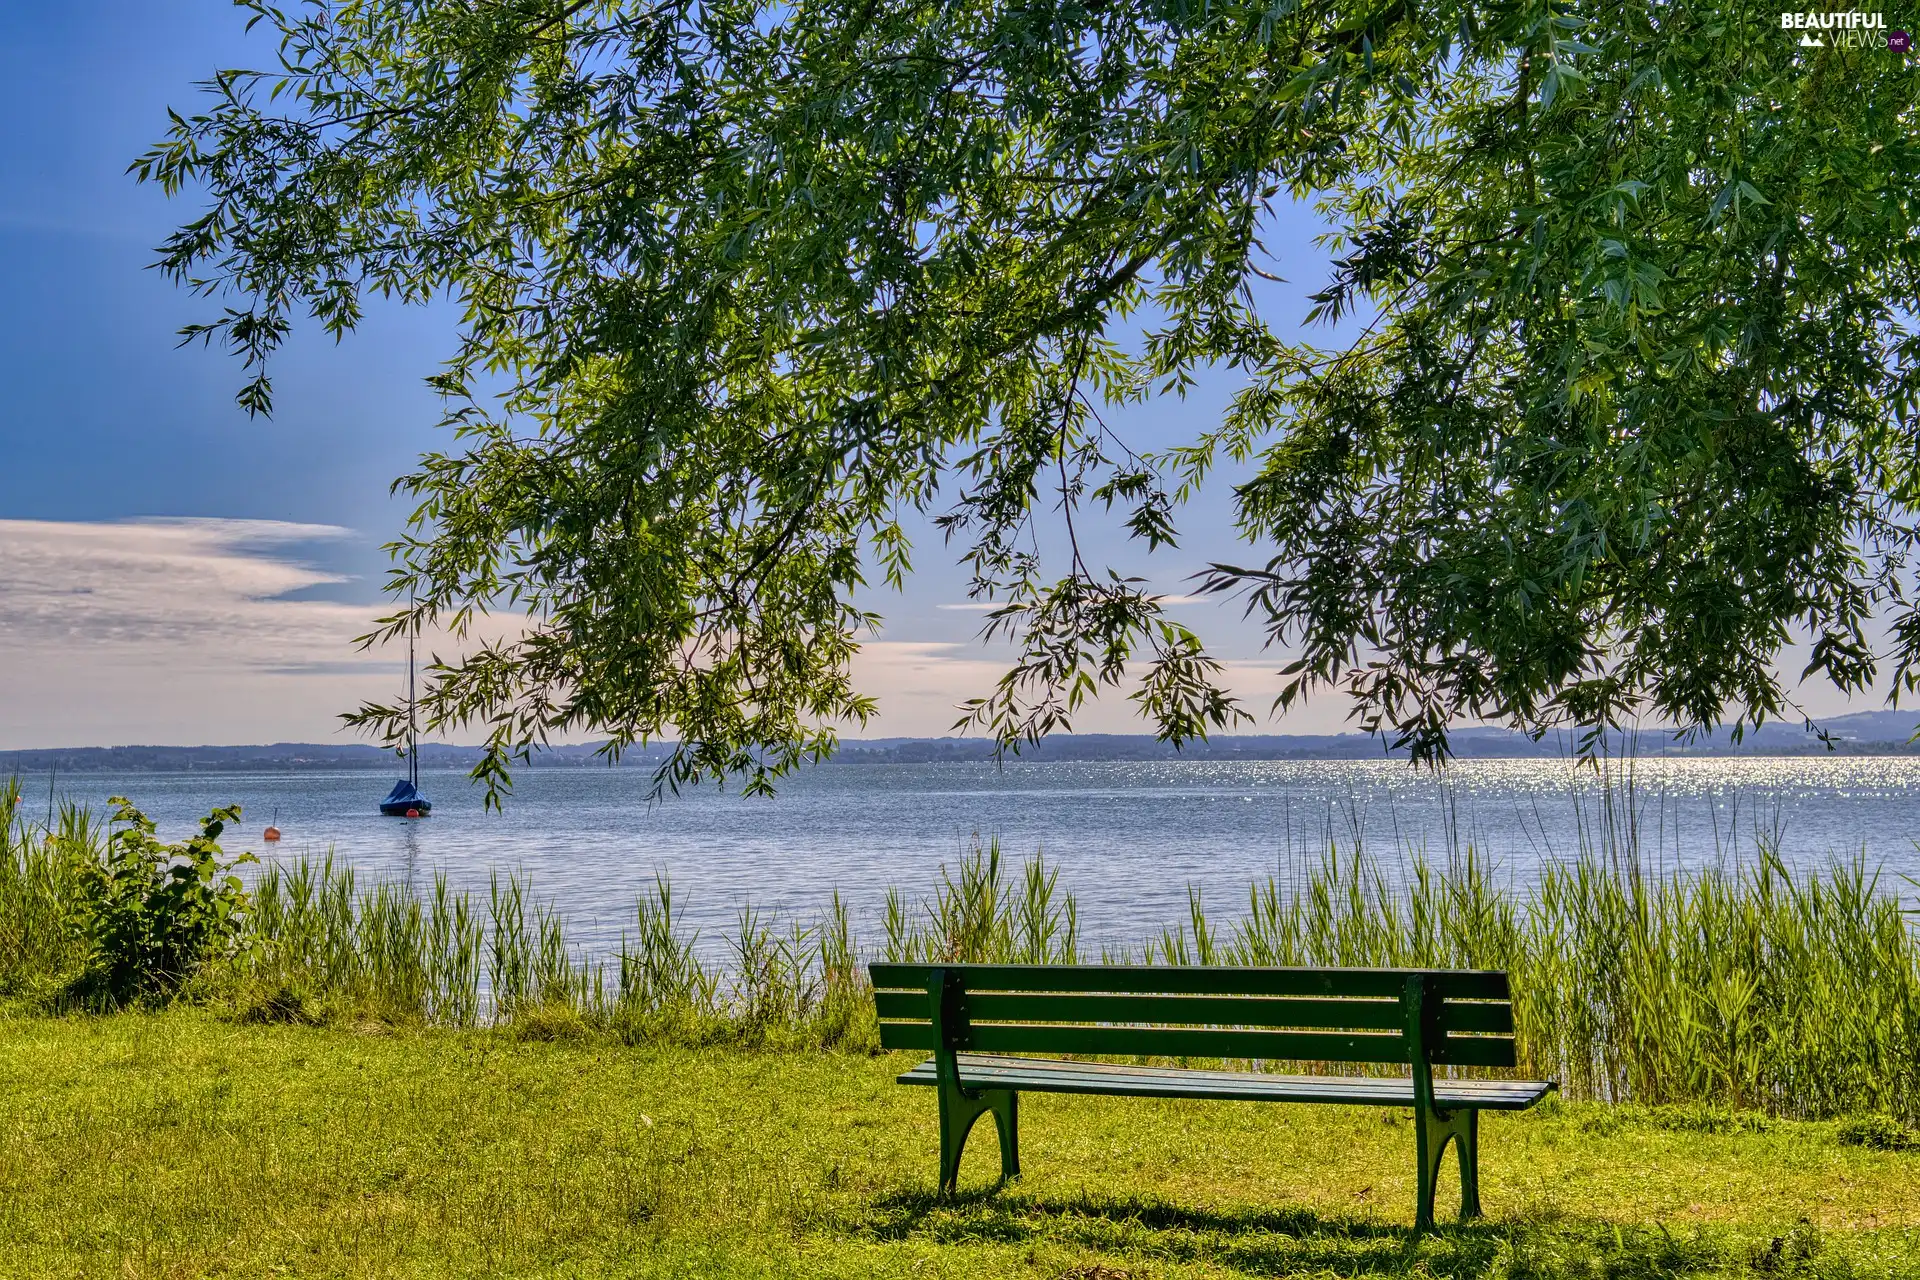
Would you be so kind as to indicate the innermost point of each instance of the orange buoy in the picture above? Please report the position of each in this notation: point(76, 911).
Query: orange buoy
point(413, 813)
point(271, 834)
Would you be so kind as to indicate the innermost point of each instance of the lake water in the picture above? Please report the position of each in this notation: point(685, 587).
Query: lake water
point(1128, 837)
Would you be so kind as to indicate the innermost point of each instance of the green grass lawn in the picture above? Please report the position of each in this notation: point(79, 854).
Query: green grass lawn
point(182, 1145)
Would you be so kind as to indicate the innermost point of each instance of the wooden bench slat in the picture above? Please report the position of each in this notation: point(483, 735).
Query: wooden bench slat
point(1353, 1091)
point(1386, 984)
point(1167, 1042)
point(1040, 1075)
point(1372, 1091)
point(1453, 1016)
point(1475, 1051)
point(1458, 1016)
point(1221, 1011)
point(1195, 1042)
point(1121, 1072)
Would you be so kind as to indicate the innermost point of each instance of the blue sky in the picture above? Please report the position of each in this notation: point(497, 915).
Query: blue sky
point(171, 571)
point(179, 633)
point(104, 417)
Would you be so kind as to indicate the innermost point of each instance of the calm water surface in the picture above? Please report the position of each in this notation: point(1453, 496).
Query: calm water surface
point(1129, 837)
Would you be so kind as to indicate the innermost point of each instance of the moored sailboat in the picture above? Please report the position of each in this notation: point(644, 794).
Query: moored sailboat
point(405, 800)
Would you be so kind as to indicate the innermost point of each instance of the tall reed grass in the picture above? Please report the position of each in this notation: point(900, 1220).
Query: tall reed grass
point(39, 950)
point(1743, 985)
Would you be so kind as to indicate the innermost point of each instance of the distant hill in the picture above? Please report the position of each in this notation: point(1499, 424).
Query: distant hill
point(1865, 733)
point(1862, 733)
point(272, 758)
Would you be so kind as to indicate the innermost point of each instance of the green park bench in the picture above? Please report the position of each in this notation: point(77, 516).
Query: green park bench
point(969, 1015)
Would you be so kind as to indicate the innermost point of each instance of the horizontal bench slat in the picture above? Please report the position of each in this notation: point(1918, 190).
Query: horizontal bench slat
point(1125, 1072)
point(1166, 1042)
point(1216, 1011)
point(1046, 1076)
point(1458, 1015)
point(1448, 984)
point(1475, 1051)
point(1452, 1016)
point(1193, 1042)
point(906, 1035)
point(1360, 1090)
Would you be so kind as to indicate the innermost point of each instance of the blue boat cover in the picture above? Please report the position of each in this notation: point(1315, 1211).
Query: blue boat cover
point(403, 793)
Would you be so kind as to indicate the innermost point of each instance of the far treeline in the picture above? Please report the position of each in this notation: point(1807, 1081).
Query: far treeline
point(1866, 733)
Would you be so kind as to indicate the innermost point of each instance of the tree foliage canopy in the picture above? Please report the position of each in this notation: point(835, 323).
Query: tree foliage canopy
point(743, 283)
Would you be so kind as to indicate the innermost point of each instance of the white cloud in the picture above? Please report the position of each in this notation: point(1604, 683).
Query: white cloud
point(208, 587)
point(174, 631)
point(920, 685)
point(985, 606)
point(178, 631)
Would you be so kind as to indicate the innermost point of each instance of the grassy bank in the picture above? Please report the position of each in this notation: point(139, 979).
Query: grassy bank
point(184, 1145)
point(1744, 988)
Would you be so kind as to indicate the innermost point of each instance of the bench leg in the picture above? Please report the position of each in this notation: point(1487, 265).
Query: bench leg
point(1006, 1118)
point(1467, 1144)
point(1433, 1130)
point(959, 1108)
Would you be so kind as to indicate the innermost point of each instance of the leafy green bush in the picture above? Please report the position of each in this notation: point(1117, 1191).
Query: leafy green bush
point(1879, 1132)
point(150, 915)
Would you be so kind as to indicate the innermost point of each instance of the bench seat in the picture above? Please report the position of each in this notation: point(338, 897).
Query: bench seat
point(1055, 1075)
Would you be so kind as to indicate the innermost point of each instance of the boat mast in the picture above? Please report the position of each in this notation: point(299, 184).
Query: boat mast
point(413, 745)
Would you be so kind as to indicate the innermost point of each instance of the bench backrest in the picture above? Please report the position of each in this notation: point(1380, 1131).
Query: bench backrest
point(1437, 1017)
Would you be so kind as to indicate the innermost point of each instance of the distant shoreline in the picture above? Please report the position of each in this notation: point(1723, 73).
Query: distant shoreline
point(1872, 733)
